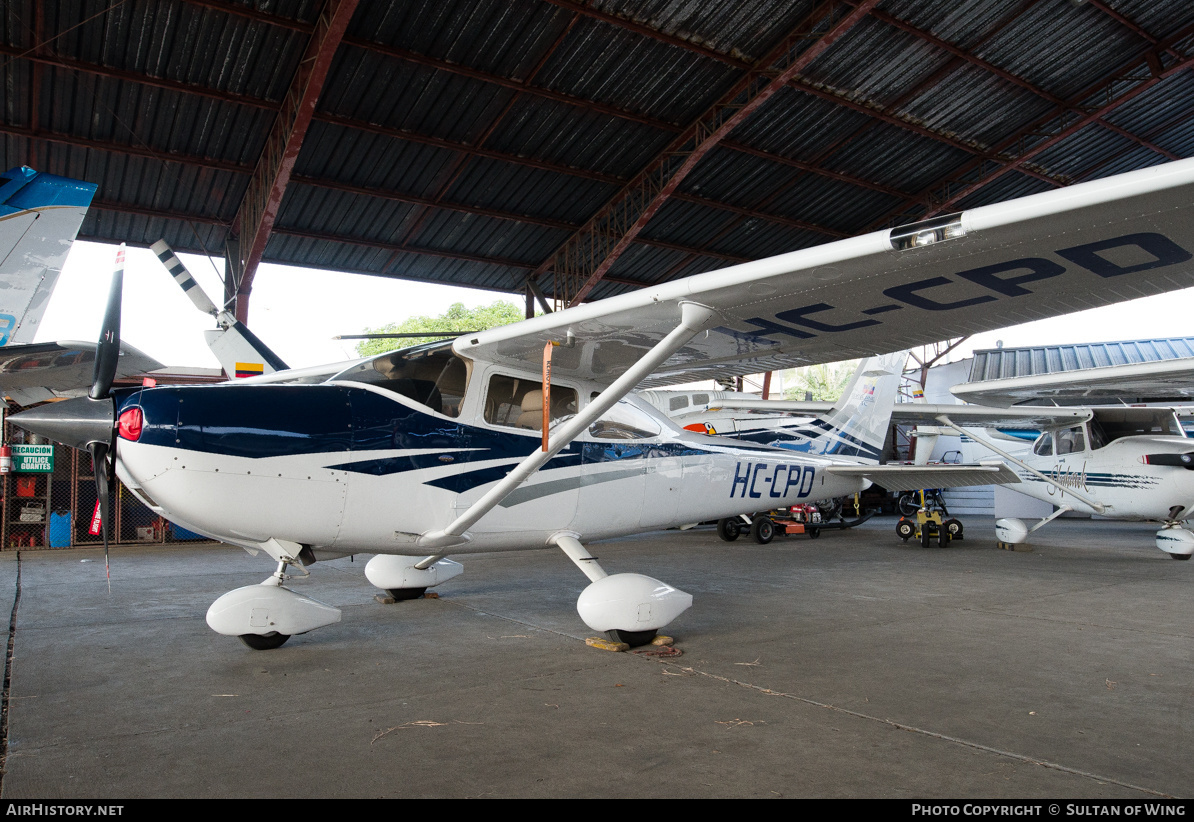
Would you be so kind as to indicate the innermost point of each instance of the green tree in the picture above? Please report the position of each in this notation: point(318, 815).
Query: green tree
point(825, 382)
point(453, 323)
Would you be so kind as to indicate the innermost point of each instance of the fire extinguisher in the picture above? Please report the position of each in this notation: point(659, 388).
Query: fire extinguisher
point(5, 458)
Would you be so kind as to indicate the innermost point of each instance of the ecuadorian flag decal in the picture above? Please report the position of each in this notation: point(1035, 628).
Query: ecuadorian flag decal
point(249, 369)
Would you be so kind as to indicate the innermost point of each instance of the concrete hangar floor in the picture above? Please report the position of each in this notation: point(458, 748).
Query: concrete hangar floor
point(853, 665)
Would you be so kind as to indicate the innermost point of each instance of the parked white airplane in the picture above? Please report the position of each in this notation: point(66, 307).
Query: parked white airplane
point(1128, 463)
point(1122, 462)
point(40, 215)
point(418, 453)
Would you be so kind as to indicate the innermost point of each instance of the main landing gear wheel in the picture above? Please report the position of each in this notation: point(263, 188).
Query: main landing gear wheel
point(729, 529)
point(400, 594)
point(1180, 556)
point(631, 638)
point(264, 642)
point(762, 530)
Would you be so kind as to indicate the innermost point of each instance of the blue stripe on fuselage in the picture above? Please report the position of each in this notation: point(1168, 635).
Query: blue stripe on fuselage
point(259, 421)
point(810, 440)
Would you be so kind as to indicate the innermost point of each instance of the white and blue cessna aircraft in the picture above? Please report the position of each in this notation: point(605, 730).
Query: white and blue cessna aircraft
point(465, 446)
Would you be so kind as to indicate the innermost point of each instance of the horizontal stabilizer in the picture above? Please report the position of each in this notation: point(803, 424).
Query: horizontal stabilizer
point(913, 477)
point(44, 371)
point(1031, 417)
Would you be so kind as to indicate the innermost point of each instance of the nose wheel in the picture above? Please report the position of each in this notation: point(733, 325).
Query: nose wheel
point(632, 638)
point(264, 642)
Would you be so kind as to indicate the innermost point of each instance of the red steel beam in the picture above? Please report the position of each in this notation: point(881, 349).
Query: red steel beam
point(1061, 135)
point(259, 208)
point(1014, 79)
point(523, 86)
point(437, 142)
point(939, 196)
point(194, 161)
point(657, 182)
point(614, 111)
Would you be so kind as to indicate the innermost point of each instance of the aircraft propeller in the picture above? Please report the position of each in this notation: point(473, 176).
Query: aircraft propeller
point(107, 354)
point(89, 423)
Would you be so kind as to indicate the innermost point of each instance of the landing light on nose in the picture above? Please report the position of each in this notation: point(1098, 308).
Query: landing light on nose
point(130, 424)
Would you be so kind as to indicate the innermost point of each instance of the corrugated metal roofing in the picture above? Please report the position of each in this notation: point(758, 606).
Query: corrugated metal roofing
point(464, 141)
point(1009, 363)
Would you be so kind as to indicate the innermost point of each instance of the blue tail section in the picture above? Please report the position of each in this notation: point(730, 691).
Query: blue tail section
point(40, 215)
point(857, 424)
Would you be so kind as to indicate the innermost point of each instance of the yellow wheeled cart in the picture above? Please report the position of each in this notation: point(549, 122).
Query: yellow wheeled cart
point(928, 526)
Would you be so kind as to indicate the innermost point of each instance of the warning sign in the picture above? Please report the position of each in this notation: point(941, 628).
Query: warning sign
point(33, 459)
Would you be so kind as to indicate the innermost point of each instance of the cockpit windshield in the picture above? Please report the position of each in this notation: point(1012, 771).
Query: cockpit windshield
point(431, 375)
point(1110, 424)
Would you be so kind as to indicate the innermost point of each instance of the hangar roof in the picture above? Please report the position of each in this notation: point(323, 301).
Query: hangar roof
point(590, 147)
point(1031, 361)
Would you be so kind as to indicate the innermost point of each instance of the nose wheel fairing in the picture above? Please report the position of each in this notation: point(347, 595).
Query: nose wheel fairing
point(268, 610)
point(1176, 541)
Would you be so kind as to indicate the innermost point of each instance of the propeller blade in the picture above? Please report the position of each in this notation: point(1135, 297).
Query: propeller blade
point(99, 463)
point(183, 277)
point(107, 353)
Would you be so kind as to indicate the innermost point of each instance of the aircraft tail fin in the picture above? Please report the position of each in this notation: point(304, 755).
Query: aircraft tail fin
point(241, 352)
point(857, 425)
point(40, 215)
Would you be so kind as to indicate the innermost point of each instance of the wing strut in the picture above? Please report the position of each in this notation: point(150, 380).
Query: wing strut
point(1097, 506)
point(694, 318)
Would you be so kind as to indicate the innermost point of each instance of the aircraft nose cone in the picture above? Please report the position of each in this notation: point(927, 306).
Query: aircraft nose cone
point(76, 422)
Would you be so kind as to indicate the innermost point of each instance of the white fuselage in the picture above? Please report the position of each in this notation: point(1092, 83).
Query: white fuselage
point(1115, 476)
point(378, 495)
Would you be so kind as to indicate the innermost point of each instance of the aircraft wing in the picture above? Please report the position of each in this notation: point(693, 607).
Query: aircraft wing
point(1020, 417)
point(988, 267)
point(1140, 382)
point(912, 477)
point(42, 371)
point(795, 407)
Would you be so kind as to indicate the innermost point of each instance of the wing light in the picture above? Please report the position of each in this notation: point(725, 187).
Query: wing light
point(927, 232)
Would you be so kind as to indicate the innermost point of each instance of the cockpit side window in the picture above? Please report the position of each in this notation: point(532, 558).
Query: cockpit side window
point(430, 375)
point(518, 402)
point(1070, 441)
point(1044, 445)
